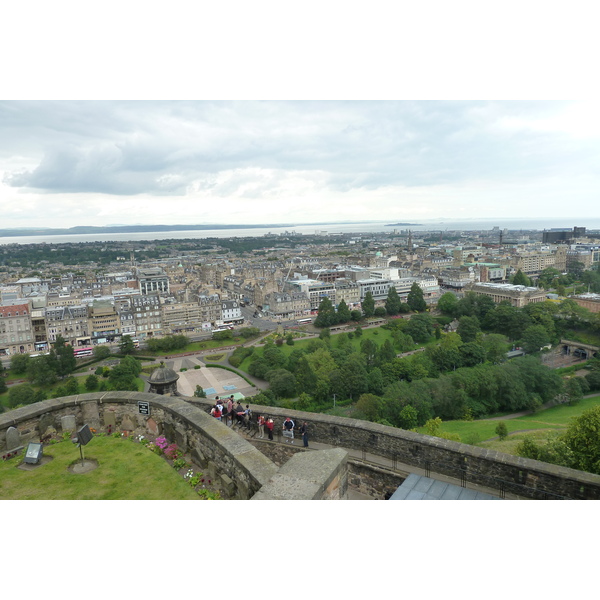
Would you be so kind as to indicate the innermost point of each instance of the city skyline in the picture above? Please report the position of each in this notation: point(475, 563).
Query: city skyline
point(64, 164)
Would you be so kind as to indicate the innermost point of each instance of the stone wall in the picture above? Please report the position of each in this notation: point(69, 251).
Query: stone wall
point(241, 468)
point(503, 472)
point(186, 421)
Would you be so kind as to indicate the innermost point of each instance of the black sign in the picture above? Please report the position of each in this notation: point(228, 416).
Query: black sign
point(144, 408)
point(84, 435)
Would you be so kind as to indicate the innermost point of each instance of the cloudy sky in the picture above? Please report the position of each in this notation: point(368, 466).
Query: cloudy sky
point(99, 163)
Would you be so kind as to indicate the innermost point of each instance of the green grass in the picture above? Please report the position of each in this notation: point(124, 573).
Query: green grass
point(126, 471)
point(555, 418)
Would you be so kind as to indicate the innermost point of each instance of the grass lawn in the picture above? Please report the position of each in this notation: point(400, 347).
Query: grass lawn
point(555, 418)
point(126, 471)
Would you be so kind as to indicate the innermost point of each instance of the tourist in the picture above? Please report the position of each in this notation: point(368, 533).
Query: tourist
point(216, 412)
point(247, 415)
point(270, 424)
point(230, 408)
point(304, 432)
point(261, 427)
point(288, 430)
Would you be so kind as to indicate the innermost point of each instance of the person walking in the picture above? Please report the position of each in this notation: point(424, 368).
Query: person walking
point(230, 409)
point(288, 430)
point(261, 427)
point(304, 432)
point(270, 424)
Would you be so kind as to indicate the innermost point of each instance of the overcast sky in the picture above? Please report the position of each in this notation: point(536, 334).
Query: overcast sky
point(100, 163)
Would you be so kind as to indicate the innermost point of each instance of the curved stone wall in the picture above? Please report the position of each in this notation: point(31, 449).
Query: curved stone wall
point(214, 446)
point(506, 473)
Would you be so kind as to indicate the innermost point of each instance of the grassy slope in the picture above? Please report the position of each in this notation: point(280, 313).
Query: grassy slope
point(126, 471)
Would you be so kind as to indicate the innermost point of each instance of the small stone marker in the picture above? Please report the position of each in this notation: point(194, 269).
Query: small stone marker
point(110, 419)
point(68, 423)
point(46, 423)
point(13, 438)
point(151, 426)
point(89, 412)
point(127, 424)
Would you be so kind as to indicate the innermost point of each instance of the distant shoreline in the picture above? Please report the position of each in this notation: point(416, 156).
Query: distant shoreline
point(404, 225)
point(90, 229)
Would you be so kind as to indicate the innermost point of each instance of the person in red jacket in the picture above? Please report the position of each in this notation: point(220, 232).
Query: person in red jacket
point(270, 424)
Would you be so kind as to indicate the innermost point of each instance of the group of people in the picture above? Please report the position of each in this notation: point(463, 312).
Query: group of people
point(231, 410)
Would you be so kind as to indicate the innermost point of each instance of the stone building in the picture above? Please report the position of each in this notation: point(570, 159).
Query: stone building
point(16, 335)
point(70, 322)
point(517, 295)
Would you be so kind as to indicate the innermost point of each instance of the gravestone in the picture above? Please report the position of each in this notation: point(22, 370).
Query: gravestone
point(110, 419)
point(46, 421)
point(13, 438)
point(89, 411)
point(68, 423)
point(152, 426)
point(127, 424)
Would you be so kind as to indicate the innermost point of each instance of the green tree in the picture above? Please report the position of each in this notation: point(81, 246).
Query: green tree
point(101, 352)
point(392, 303)
point(63, 357)
point(408, 417)
point(19, 363)
point(199, 393)
point(356, 315)
point(535, 338)
point(126, 345)
point(368, 305)
point(41, 371)
point(420, 328)
point(327, 315)
point(91, 383)
point(447, 304)
point(379, 312)
point(501, 430)
point(415, 299)
point(521, 279)
point(472, 354)
point(289, 339)
point(282, 383)
point(495, 346)
point(21, 395)
point(468, 328)
point(583, 440)
point(343, 312)
point(367, 407)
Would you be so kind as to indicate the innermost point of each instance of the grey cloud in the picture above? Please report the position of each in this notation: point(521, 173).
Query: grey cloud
point(154, 147)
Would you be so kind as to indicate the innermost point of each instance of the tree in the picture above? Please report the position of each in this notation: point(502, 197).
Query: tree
point(408, 417)
point(472, 354)
point(501, 431)
point(521, 279)
point(199, 393)
point(41, 371)
point(495, 346)
point(327, 315)
point(447, 304)
point(415, 298)
point(63, 357)
point(468, 328)
point(101, 352)
point(20, 395)
point(126, 345)
point(380, 312)
point(282, 383)
point(289, 339)
point(343, 312)
point(392, 303)
point(583, 440)
point(368, 406)
point(356, 315)
point(535, 338)
point(368, 305)
point(91, 383)
point(19, 363)
point(420, 328)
